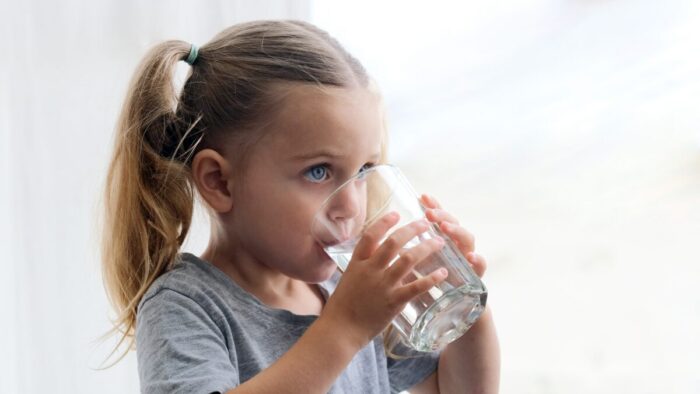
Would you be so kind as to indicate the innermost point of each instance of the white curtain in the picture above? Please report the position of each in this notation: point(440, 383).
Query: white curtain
point(64, 69)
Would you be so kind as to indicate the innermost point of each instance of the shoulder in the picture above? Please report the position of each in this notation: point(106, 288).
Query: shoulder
point(189, 277)
point(182, 340)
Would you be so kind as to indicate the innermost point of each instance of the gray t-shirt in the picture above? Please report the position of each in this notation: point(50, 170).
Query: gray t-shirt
point(197, 331)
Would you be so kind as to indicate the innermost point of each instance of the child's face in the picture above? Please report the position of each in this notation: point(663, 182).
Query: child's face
point(319, 140)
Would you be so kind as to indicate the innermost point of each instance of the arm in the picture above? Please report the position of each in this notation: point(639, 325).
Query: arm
point(322, 353)
point(470, 364)
point(180, 349)
point(369, 294)
point(473, 361)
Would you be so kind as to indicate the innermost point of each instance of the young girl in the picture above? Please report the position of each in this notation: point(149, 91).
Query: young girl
point(273, 117)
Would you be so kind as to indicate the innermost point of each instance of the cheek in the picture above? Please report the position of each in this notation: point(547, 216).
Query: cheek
point(362, 214)
point(282, 216)
point(284, 221)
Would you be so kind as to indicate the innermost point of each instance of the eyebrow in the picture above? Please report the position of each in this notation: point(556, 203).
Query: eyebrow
point(312, 155)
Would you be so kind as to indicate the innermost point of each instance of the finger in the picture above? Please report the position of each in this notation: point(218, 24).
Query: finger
point(412, 257)
point(439, 215)
point(420, 286)
point(478, 263)
point(459, 235)
point(391, 246)
point(369, 241)
point(430, 201)
point(427, 202)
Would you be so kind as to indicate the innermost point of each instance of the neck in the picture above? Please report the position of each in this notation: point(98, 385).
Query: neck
point(270, 286)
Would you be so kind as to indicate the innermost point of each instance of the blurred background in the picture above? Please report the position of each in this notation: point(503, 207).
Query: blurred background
point(563, 133)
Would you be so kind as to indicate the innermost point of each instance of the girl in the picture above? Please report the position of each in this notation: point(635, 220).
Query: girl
point(273, 117)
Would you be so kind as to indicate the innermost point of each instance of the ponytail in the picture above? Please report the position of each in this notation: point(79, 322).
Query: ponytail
point(148, 197)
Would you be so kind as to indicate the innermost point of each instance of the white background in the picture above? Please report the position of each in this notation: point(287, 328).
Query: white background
point(563, 133)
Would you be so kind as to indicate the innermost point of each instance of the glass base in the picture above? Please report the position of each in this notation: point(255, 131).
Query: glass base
point(447, 319)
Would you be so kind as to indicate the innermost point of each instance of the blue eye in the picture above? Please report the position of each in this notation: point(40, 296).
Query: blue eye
point(317, 173)
point(366, 167)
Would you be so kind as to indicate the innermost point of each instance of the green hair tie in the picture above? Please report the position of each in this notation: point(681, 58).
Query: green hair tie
point(194, 51)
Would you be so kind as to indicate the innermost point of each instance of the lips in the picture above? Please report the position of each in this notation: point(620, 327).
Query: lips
point(320, 247)
point(322, 253)
point(327, 243)
point(335, 233)
point(326, 239)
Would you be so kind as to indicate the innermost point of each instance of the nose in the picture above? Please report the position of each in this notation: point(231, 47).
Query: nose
point(348, 202)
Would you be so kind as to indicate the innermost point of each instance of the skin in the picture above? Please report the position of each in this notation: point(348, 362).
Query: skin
point(471, 364)
point(260, 238)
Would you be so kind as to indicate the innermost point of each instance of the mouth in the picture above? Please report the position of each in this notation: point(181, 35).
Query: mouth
point(322, 245)
point(328, 242)
point(322, 252)
point(331, 244)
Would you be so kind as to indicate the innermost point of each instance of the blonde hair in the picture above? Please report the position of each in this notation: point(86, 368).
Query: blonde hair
point(149, 194)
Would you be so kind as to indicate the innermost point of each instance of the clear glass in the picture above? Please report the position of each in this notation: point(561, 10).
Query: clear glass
point(435, 318)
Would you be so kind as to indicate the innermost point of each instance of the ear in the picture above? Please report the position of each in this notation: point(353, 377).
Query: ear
point(213, 176)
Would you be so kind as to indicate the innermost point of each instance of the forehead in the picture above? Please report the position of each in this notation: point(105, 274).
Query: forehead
point(343, 121)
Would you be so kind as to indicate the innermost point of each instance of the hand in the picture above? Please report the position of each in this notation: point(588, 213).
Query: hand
point(371, 292)
point(460, 236)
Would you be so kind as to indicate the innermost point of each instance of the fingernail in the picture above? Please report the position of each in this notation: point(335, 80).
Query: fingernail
point(443, 272)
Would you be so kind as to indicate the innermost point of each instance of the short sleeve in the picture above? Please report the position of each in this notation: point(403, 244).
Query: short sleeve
point(179, 347)
point(411, 368)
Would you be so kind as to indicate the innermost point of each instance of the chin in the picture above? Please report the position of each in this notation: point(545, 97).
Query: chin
point(323, 273)
point(323, 268)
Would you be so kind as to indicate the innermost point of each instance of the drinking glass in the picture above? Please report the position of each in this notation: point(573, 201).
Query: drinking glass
point(446, 311)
